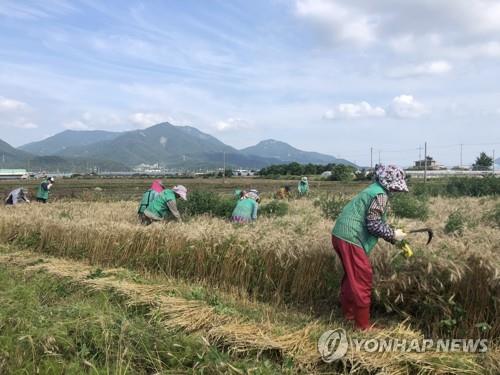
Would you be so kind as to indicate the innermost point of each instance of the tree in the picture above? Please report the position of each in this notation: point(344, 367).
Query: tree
point(483, 162)
point(342, 172)
point(295, 169)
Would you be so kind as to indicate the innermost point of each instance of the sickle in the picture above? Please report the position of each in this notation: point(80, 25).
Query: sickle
point(429, 231)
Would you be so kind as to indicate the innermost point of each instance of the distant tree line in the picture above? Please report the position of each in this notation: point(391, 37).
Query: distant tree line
point(340, 172)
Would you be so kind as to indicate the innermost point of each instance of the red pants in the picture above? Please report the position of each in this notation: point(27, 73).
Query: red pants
point(356, 287)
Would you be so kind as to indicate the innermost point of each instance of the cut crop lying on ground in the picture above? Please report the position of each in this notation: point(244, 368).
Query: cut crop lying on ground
point(287, 348)
point(286, 260)
point(54, 326)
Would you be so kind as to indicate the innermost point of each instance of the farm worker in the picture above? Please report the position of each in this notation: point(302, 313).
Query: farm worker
point(148, 197)
point(246, 208)
point(357, 229)
point(42, 194)
point(303, 186)
point(283, 192)
point(165, 205)
point(17, 196)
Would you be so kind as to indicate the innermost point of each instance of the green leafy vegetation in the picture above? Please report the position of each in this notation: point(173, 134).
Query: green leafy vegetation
point(274, 208)
point(459, 187)
point(342, 173)
point(332, 205)
point(483, 162)
point(409, 206)
point(456, 223)
point(296, 169)
point(210, 203)
point(206, 202)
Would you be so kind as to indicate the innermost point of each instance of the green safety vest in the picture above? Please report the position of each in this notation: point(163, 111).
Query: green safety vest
point(246, 209)
point(303, 187)
point(351, 223)
point(159, 206)
point(41, 192)
point(147, 198)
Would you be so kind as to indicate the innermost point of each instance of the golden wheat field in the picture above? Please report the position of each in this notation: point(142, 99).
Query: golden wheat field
point(286, 266)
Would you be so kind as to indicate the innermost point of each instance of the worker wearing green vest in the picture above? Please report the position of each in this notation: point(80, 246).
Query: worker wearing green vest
point(303, 186)
point(42, 193)
point(356, 232)
point(147, 198)
point(246, 208)
point(164, 207)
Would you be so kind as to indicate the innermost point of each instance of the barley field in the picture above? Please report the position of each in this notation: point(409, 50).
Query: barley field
point(255, 297)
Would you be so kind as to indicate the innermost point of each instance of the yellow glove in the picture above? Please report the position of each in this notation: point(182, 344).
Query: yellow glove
point(407, 251)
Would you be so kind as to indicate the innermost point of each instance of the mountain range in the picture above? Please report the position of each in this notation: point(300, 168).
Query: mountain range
point(173, 147)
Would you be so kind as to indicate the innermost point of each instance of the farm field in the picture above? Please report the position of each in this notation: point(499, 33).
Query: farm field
point(106, 295)
point(132, 188)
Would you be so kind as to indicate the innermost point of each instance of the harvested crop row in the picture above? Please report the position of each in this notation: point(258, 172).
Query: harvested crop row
point(238, 335)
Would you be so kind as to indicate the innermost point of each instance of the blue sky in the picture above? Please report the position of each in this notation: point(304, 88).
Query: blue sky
point(331, 76)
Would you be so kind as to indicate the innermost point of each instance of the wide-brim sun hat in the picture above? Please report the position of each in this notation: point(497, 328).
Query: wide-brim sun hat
point(391, 177)
point(181, 191)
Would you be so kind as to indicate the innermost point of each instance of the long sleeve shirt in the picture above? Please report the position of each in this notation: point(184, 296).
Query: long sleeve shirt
point(172, 206)
point(374, 222)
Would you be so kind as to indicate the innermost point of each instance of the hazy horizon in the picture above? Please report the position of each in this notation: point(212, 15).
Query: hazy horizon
point(329, 76)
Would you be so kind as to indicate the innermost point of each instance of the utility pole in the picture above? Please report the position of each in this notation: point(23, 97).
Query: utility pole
point(371, 157)
point(425, 162)
point(224, 171)
point(379, 156)
point(419, 152)
point(461, 148)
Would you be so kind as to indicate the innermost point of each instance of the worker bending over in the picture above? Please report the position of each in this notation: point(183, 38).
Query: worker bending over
point(283, 192)
point(148, 197)
point(246, 208)
point(164, 206)
point(356, 232)
point(17, 196)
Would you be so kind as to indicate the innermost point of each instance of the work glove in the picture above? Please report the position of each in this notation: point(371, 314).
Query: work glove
point(407, 251)
point(399, 235)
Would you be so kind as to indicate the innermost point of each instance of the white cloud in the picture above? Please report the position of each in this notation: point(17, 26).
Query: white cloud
point(231, 124)
point(467, 29)
point(7, 104)
point(406, 106)
point(437, 67)
point(340, 22)
point(144, 120)
point(76, 125)
point(27, 125)
point(354, 111)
